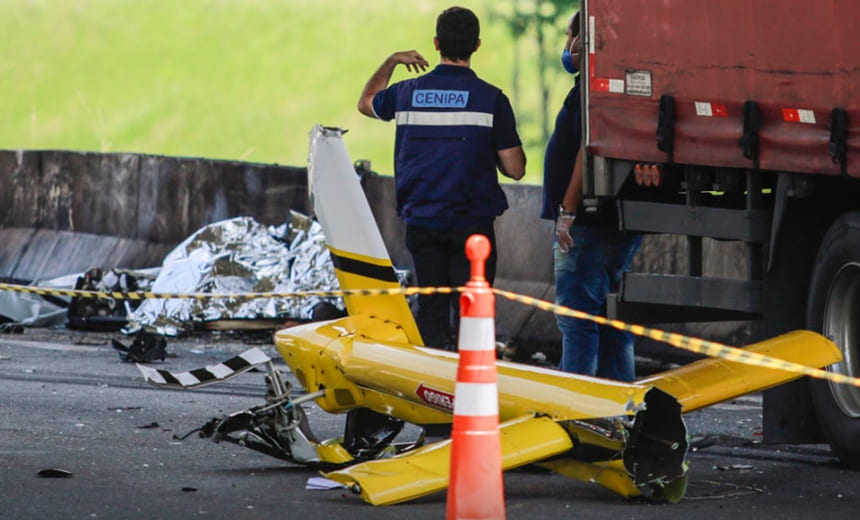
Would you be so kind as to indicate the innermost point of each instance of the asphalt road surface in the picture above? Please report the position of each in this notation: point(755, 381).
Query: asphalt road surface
point(68, 403)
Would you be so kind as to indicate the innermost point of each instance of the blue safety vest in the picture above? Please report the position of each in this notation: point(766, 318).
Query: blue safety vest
point(445, 158)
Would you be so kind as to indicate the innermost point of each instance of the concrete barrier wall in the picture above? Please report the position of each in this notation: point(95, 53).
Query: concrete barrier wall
point(129, 209)
point(63, 212)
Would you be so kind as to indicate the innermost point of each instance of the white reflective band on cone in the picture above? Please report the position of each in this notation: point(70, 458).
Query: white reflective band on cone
point(477, 334)
point(476, 399)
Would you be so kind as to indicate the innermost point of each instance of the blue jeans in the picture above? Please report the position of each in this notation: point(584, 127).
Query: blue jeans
point(584, 275)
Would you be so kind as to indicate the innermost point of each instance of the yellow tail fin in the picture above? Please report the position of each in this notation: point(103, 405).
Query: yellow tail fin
point(357, 250)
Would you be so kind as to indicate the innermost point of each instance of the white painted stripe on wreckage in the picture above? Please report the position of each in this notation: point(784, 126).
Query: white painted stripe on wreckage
point(151, 375)
point(345, 217)
point(219, 372)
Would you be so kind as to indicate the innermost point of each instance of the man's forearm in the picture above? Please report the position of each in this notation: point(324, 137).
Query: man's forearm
point(573, 194)
point(377, 82)
point(512, 162)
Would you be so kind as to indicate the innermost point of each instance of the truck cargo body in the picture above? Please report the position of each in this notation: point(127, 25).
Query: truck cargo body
point(797, 59)
point(744, 117)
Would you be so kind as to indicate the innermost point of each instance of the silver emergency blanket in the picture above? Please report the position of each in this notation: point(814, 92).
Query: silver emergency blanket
point(240, 255)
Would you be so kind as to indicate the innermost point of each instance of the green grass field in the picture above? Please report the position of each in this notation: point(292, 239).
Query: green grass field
point(229, 79)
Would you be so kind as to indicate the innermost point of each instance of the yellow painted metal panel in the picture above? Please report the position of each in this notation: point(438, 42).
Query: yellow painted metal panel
point(425, 471)
point(608, 474)
point(393, 307)
point(523, 390)
point(711, 381)
point(333, 452)
point(385, 375)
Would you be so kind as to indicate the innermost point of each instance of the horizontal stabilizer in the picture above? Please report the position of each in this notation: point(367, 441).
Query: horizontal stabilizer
point(712, 380)
point(424, 471)
point(207, 375)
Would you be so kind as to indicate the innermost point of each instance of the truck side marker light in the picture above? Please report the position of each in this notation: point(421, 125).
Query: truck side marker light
point(706, 109)
point(646, 174)
point(614, 86)
point(639, 174)
point(653, 175)
point(798, 115)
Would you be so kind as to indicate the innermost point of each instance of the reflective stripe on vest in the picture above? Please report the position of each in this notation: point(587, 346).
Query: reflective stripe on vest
point(444, 118)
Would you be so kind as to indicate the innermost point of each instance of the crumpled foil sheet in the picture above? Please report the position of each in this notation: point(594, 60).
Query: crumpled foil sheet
point(235, 256)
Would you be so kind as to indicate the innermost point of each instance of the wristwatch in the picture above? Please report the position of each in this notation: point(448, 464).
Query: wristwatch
point(565, 213)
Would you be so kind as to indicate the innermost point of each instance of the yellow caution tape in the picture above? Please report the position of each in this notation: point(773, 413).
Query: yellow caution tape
point(691, 344)
point(697, 345)
point(147, 295)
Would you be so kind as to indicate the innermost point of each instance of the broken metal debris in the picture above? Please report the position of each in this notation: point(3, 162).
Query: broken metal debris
point(10, 328)
point(33, 310)
point(323, 483)
point(145, 348)
point(279, 427)
point(734, 467)
point(106, 313)
point(206, 376)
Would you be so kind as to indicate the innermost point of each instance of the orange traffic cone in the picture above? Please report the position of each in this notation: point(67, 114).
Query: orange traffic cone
point(476, 490)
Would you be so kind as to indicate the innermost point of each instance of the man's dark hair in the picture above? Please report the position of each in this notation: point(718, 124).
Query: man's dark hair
point(575, 25)
point(457, 29)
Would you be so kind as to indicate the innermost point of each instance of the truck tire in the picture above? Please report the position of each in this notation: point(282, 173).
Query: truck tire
point(833, 308)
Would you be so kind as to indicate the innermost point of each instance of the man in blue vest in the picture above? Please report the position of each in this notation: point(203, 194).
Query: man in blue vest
point(454, 131)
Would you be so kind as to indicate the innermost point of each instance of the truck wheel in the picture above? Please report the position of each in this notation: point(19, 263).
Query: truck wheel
point(834, 310)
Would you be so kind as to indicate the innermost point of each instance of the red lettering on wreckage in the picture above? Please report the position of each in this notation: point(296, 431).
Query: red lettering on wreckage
point(435, 397)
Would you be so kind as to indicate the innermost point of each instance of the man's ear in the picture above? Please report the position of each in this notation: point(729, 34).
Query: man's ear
point(477, 45)
point(436, 42)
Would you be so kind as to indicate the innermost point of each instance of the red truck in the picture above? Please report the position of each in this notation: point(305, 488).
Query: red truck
point(737, 121)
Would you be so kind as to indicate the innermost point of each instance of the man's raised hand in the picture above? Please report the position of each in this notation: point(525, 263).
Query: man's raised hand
point(413, 60)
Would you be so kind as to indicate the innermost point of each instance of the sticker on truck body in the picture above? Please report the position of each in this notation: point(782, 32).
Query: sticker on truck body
point(638, 83)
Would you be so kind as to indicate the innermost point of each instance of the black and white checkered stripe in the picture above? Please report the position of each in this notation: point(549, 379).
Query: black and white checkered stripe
point(208, 375)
